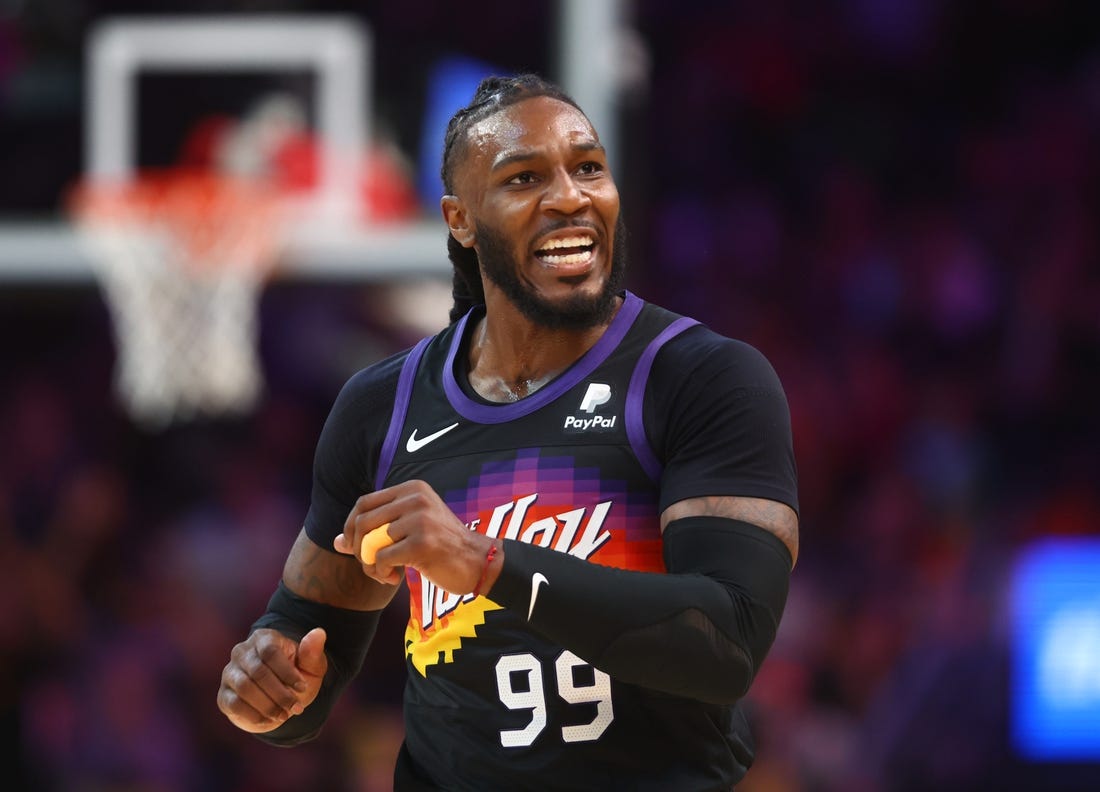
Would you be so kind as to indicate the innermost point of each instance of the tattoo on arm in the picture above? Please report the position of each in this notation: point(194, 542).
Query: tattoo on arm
point(332, 578)
point(773, 516)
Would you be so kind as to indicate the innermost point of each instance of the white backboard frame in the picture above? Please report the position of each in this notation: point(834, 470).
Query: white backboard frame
point(336, 49)
point(36, 251)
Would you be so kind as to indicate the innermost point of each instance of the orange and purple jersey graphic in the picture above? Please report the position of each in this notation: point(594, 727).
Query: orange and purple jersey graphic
point(543, 500)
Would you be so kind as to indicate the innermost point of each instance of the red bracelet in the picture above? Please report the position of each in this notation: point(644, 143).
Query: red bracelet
point(488, 560)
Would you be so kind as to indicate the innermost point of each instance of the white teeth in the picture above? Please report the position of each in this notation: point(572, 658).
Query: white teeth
point(576, 241)
point(572, 258)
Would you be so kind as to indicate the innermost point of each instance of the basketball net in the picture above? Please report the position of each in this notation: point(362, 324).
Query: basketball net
point(181, 257)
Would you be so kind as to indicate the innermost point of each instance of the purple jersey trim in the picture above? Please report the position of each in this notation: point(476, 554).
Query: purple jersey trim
point(400, 409)
point(635, 395)
point(501, 413)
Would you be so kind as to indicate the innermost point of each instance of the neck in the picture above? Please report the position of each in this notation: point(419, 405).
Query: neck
point(511, 357)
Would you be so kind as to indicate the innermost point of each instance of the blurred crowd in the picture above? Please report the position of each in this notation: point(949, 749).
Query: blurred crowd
point(896, 202)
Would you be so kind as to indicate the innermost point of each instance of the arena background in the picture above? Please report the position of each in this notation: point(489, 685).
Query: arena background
point(897, 202)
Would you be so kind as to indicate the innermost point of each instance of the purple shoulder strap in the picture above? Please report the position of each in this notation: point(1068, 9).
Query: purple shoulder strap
point(400, 409)
point(635, 396)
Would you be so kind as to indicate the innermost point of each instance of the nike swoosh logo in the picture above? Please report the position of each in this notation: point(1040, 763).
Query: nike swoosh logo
point(415, 443)
point(536, 579)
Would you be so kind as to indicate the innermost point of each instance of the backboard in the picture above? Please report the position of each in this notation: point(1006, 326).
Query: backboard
point(339, 53)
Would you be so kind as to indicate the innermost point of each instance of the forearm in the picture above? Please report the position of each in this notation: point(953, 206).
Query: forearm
point(700, 631)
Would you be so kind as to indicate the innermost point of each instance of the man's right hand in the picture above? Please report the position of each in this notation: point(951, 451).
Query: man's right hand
point(270, 678)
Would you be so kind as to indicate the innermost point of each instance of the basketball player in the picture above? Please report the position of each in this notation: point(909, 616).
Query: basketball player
point(592, 501)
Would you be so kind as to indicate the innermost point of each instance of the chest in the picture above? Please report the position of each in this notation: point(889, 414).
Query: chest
point(557, 469)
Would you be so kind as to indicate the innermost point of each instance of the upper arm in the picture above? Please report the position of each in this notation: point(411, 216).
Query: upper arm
point(722, 425)
point(774, 517)
point(332, 578)
point(346, 458)
point(719, 421)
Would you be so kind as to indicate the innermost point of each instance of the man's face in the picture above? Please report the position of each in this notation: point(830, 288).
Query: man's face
point(544, 210)
point(577, 311)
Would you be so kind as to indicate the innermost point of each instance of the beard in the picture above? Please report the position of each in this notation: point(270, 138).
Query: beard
point(576, 312)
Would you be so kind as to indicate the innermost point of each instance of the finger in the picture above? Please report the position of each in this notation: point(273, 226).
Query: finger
point(273, 654)
point(364, 505)
point(248, 696)
point(368, 514)
point(271, 674)
point(391, 576)
point(403, 536)
point(341, 544)
point(373, 542)
point(242, 713)
point(311, 653)
point(247, 704)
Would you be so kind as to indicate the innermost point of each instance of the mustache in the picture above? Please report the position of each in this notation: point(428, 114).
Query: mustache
point(561, 225)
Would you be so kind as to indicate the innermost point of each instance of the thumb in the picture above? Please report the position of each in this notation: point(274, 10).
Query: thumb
point(311, 653)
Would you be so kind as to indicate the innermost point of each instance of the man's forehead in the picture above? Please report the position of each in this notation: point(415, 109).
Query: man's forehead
point(534, 122)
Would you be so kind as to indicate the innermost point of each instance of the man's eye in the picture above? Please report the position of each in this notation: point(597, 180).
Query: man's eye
point(590, 168)
point(522, 178)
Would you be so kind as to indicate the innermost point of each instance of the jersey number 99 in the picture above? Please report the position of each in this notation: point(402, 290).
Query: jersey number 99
point(534, 697)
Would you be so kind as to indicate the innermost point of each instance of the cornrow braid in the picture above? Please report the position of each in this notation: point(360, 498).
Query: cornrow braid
point(492, 95)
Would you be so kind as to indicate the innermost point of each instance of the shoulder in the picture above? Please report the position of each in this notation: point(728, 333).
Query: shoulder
point(700, 356)
point(377, 382)
point(716, 416)
point(357, 422)
point(368, 394)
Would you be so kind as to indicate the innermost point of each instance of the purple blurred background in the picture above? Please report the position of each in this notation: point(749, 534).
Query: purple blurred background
point(896, 201)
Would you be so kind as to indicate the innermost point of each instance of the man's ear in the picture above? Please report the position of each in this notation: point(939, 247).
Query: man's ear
point(454, 214)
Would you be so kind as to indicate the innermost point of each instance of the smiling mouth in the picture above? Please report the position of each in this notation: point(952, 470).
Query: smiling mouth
point(567, 251)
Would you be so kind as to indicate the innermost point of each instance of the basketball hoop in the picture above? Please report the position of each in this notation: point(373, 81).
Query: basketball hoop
point(182, 257)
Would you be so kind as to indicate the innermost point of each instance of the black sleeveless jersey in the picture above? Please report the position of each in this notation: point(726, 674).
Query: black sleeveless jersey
point(658, 410)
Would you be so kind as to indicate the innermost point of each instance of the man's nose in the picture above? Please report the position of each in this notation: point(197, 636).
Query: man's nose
point(564, 195)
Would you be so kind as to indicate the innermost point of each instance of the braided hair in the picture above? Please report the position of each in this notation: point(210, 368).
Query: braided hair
point(492, 95)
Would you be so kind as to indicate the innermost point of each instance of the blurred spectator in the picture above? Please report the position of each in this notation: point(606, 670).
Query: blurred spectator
point(896, 202)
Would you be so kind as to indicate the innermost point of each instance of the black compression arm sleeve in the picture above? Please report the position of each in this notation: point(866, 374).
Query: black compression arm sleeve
point(701, 631)
point(348, 636)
